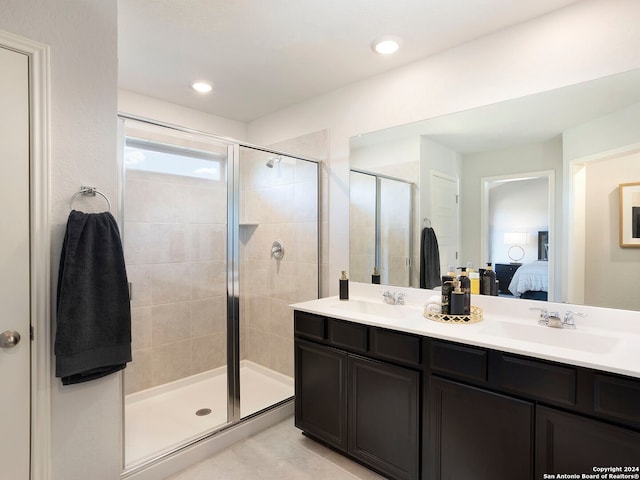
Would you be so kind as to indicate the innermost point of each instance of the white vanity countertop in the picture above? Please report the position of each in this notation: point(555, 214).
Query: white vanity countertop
point(606, 339)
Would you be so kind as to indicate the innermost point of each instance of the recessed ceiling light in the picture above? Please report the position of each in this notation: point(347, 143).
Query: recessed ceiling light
point(201, 87)
point(386, 45)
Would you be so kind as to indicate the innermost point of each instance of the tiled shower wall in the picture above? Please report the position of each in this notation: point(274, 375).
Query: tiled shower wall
point(278, 203)
point(175, 251)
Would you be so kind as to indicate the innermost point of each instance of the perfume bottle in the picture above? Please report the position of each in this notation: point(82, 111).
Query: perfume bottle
point(344, 286)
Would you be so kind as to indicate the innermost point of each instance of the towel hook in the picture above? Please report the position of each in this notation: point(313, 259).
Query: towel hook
point(88, 191)
point(426, 222)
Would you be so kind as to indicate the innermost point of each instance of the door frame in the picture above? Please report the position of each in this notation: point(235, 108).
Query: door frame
point(486, 183)
point(40, 283)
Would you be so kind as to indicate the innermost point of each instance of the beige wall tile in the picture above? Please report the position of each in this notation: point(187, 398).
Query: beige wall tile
point(139, 277)
point(170, 282)
point(136, 237)
point(208, 315)
point(140, 327)
point(138, 374)
point(208, 242)
point(170, 323)
point(208, 279)
point(208, 204)
point(281, 318)
point(281, 355)
point(171, 362)
point(167, 242)
point(207, 352)
point(306, 201)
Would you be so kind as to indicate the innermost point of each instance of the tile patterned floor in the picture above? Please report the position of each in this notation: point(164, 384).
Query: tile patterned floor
point(280, 452)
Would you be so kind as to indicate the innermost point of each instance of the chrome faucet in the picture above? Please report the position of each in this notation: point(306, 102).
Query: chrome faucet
point(569, 321)
point(552, 319)
point(393, 298)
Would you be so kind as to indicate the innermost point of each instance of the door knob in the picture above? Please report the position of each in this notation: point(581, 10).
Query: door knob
point(9, 339)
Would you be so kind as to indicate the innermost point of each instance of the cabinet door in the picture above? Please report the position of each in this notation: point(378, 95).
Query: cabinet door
point(478, 434)
point(321, 392)
point(568, 443)
point(384, 417)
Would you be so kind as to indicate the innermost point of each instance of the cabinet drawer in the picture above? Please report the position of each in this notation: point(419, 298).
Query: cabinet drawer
point(617, 397)
point(351, 336)
point(395, 346)
point(459, 360)
point(538, 379)
point(310, 326)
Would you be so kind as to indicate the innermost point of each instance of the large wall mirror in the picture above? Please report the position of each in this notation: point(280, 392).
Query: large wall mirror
point(530, 184)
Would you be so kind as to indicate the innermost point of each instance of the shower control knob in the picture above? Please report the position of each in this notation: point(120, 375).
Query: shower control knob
point(9, 339)
point(277, 250)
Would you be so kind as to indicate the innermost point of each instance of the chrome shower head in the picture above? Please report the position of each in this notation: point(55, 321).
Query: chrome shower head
point(272, 161)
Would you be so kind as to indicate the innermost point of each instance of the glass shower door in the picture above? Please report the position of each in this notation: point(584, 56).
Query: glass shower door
point(395, 232)
point(278, 259)
point(175, 245)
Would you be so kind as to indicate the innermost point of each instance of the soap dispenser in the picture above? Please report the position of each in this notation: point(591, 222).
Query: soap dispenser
point(447, 289)
point(344, 286)
point(375, 277)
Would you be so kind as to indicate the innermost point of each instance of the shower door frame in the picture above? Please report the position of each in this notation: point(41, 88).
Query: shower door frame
point(232, 172)
point(378, 211)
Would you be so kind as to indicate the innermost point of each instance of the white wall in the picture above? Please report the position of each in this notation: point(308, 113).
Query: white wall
point(82, 35)
point(612, 273)
point(603, 148)
point(584, 41)
point(152, 108)
point(588, 40)
point(509, 161)
point(519, 206)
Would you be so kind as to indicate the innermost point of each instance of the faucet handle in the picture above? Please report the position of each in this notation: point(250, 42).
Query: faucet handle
point(568, 321)
point(544, 315)
point(400, 296)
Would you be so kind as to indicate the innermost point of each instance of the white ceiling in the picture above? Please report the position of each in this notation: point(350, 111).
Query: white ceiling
point(264, 55)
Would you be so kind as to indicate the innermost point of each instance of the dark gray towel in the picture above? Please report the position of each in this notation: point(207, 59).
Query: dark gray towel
point(429, 259)
point(93, 334)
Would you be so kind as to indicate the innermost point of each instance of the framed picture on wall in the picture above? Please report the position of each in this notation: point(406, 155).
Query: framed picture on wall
point(630, 214)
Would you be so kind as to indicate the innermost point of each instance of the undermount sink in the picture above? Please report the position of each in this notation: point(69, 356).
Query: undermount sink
point(556, 337)
point(373, 308)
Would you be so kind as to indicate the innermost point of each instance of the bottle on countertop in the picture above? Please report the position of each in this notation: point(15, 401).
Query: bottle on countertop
point(344, 286)
point(447, 289)
point(489, 285)
point(460, 302)
point(465, 288)
point(474, 278)
point(375, 276)
point(465, 282)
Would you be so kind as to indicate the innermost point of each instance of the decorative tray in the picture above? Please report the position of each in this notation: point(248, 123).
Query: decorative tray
point(474, 317)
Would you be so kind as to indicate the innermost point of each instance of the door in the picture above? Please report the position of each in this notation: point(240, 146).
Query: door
point(444, 217)
point(321, 395)
point(384, 417)
point(14, 264)
point(568, 443)
point(478, 434)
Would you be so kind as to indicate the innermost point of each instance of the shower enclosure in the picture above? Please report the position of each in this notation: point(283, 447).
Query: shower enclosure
point(219, 238)
point(380, 228)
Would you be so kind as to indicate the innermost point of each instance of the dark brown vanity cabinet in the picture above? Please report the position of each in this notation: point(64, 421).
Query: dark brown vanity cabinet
point(566, 442)
point(384, 420)
point(478, 434)
point(321, 392)
point(418, 407)
point(356, 391)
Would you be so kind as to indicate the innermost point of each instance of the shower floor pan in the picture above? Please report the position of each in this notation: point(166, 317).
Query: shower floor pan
point(160, 419)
